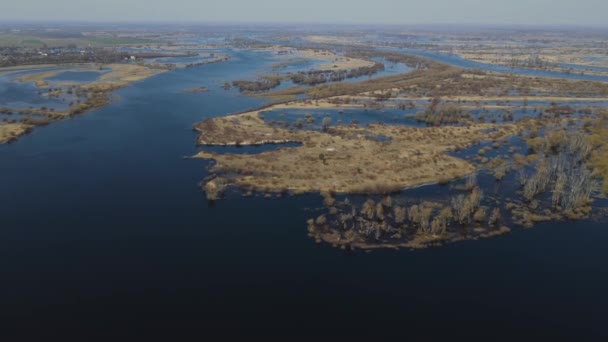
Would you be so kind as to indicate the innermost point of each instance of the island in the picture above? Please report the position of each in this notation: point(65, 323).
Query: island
point(447, 126)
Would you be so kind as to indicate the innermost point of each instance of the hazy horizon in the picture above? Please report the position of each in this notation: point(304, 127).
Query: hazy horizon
point(470, 12)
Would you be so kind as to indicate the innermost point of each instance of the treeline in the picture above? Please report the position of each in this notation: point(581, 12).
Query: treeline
point(532, 63)
point(263, 84)
point(309, 78)
point(314, 77)
point(440, 80)
point(422, 80)
point(30, 57)
point(214, 60)
point(245, 43)
point(411, 61)
point(12, 56)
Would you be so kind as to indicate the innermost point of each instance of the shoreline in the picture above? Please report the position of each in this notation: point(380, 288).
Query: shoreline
point(98, 95)
point(341, 158)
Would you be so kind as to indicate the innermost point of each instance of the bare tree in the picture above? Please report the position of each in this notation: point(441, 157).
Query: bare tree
point(400, 213)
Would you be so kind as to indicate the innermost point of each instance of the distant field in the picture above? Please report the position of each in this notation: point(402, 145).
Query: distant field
point(17, 40)
point(33, 41)
point(118, 40)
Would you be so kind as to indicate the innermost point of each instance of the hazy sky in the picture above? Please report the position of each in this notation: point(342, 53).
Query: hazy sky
point(541, 12)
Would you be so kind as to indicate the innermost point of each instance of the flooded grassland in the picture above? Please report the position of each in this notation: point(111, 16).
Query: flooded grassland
point(436, 126)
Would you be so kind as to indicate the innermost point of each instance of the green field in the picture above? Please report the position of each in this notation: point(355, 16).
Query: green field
point(17, 40)
point(33, 41)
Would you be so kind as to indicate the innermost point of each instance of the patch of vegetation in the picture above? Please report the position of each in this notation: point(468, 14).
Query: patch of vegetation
point(598, 133)
point(438, 114)
point(340, 158)
point(265, 83)
point(390, 224)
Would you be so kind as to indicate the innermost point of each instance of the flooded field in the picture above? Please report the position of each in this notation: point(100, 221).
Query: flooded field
point(104, 214)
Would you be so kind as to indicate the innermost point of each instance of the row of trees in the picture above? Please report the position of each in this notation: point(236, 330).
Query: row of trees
point(437, 114)
point(263, 84)
point(314, 77)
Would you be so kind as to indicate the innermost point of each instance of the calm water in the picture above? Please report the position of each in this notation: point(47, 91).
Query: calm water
point(460, 62)
point(14, 94)
point(362, 117)
point(104, 226)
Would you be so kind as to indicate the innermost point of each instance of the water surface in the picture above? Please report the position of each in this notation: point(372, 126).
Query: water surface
point(104, 226)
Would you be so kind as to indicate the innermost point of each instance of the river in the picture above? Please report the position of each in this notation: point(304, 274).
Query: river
point(103, 226)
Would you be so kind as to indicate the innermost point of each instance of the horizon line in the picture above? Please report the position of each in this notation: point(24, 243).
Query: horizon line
point(6, 22)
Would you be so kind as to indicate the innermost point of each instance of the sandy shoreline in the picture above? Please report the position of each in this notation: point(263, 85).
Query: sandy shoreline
point(10, 132)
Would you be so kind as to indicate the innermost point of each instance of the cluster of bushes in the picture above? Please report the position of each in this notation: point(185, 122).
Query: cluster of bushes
point(532, 63)
point(311, 78)
point(214, 60)
point(437, 114)
point(263, 84)
point(384, 221)
point(410, 60)
point(34, 121)
point(314, 77)
point(598, 131)
point(562, 172)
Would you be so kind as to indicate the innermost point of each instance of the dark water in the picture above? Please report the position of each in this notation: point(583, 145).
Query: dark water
point(248, 149)
point(103, 227)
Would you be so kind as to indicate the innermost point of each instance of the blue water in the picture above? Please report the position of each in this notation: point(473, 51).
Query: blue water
point(296, 64)
point(19, 95)
point(578, 67)
point(345, 116)
point(249, 149)
point(460, 62)
point(183, 60)
point(104, 227)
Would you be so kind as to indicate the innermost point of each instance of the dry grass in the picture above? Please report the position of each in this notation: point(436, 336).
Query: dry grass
point(334, 62)
point(341, 159)
point(10, 132)
point(440, 80)
point(599, 157)
point(38, 78)
point(128, 73)
point(120, 74)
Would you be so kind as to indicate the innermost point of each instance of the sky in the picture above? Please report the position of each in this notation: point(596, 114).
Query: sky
point(501, 12)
